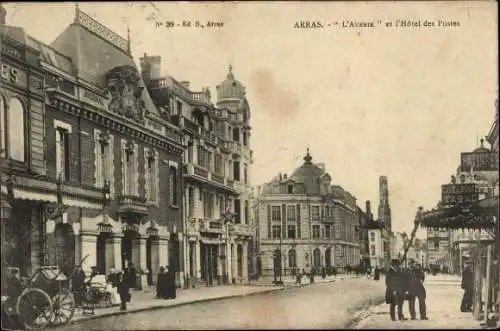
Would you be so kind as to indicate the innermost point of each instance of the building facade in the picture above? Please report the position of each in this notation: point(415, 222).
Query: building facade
point(104, 156)
point(364, 216)
point(305, 221)
point(216, 173)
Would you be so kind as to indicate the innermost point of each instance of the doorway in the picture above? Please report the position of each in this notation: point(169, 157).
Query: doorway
point(149, 260)
point(102, 239)
point(128, 241)
point(209, 263)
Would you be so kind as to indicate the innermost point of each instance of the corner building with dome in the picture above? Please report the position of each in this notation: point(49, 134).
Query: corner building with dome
point(305, 221)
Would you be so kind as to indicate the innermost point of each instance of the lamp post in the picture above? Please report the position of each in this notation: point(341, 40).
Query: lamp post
point(228, 218)
point(280, 281)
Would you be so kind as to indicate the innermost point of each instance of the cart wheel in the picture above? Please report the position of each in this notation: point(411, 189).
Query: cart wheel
point(63, 308)
point(34, 308)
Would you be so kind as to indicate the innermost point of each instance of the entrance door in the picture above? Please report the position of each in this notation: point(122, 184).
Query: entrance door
point(213, 263)
point(204, 262)
point(127, 248)
point(149, 264)
point(101, 252)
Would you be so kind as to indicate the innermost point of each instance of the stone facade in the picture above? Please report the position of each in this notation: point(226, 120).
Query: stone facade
point(304, 222)
point(103, 164)
point(216, 177)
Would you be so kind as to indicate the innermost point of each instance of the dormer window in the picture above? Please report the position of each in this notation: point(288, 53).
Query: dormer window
point(462, 178)
point(290, 188)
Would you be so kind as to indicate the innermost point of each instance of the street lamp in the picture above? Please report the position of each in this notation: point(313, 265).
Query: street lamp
point(228, 218)
point(280, 281)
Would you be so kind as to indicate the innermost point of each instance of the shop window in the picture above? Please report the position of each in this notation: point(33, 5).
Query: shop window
point(15, 130)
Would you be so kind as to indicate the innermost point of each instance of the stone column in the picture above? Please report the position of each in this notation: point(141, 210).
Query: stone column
point(198, 259)
point(141, 266)
point(115, 247)
point(88, 242)
point(245, 262)
point(229, 260)
point(234, 260)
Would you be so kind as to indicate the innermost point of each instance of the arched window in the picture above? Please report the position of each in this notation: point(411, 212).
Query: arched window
point(317, 258)
point(2, 127)
point(15, 121)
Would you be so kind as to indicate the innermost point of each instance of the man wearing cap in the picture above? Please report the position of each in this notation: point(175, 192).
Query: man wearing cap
point(467, 286)
point(395, 290)
point(417, 291)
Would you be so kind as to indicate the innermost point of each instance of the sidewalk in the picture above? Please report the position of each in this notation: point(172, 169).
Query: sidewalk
point(145, 300)
point(443, 309)
point(290, 280)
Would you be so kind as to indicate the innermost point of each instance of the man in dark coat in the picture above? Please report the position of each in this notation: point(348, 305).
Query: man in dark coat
point(131, 275)
point(394, 281)
point(161, 284)
point(123, 291)
point(171, 289)
point(78, 285)
point(467, 286)
point(417, 291)
point(376, 273)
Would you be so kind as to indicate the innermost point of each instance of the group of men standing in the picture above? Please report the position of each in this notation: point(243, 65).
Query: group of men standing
point(405, 284)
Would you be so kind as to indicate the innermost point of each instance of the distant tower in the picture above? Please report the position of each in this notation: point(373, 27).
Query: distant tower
point(3, 14)
point(384, 209)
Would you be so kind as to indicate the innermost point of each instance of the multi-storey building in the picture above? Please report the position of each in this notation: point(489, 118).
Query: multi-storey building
point(304, 220)
point(364, 245)
point(216, 181)
point(100, 162)
point(379, 238)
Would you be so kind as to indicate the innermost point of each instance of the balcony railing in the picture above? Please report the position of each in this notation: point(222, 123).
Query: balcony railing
point(217, 178)
point(241, 230)
point(190, 125)
point(210, 225)
point(132, 204)
point(230, 182)
point(199, 171)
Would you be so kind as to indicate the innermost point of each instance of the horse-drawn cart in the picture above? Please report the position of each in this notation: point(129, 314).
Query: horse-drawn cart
point(45, 300)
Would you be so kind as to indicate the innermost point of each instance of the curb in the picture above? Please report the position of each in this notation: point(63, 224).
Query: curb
point(364, 312)
point(158, 307)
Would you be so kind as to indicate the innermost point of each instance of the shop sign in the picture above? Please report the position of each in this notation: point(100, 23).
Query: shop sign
point(479, 161)
point(13, 75)
point(452, 194)
point(93, 98)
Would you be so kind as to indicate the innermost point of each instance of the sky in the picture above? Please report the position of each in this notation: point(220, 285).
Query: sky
point(399, 102)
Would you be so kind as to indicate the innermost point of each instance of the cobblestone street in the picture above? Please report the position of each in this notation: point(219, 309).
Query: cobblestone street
point(323, 305)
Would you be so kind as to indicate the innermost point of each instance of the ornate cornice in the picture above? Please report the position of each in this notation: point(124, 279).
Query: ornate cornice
point(65, 104)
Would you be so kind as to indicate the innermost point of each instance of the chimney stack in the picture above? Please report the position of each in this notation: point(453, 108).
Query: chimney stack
point(368, 208)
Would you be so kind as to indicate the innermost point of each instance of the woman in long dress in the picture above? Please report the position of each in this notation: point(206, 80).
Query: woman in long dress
point(112, 287)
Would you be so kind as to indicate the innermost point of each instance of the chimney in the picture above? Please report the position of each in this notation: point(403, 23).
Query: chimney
point(3, 15)
point(285, 176)
point(150, 67)
point(368, 208)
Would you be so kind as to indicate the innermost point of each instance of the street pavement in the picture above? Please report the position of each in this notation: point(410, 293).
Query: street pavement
point(321, 305)
point(443, 309)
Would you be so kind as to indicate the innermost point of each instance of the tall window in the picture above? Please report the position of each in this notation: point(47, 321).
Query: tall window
point(15, 130)
point(276, 231)
point(315, 212)
point(236, 134)
point(372, 250)
point(191, 202)
point(290, 188)
point(190, 152)
point(292, 258)
point(104, 158)
point(237, 210)
point(62, 150)
point(218, 164)
point(276, 213)
point(204, 157)
point(3, 127)
point(316, 231)
point(244, 138)
point(291, 233)
point(372, 236)
point(245, 174)
point(247, 212)
point(151, 174)
point(327, 231)
point(208, 205)
point(179, 108)
point(236, 170)
point(173, 185)
point(130, 173)
point(290, 213)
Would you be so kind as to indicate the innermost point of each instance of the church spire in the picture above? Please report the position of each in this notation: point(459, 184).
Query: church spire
point(128, 38)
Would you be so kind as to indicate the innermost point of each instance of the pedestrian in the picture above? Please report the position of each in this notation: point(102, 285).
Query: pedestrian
point(299, 276)
point(112, 287)
point(323, 272)
point(376, 273)
point(467, 286)
point(78, 285)
point(131, 275)
point(170, 280)
point(161, 284)
point(123, 291)
point(334, 271)
point(417, 291)
point(394, 294)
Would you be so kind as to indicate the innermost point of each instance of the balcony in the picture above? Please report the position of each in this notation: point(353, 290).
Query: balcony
point(244, 230)
point(230, 182)
point(200, 171)
point(211, 226)
point(201, 97)
point(234, 147)
point(328, 219)
point(190, 125)
point(217, 178)
point(132, 204)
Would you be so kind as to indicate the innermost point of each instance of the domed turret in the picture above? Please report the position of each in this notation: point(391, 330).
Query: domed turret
point(481, 148)
point(230, 88)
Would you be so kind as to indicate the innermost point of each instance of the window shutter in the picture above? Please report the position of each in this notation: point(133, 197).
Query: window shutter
point(297, 215)
point(136, 170)
point(269, 228)
point(111, 165)
point(97, 162)
point(283, 221)
point(37, 136)
point(125, 190)
point(147, 177)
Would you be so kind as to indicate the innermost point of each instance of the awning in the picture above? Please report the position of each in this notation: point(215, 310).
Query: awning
point(24, 194)
point(456, 218)
point(81, 203)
